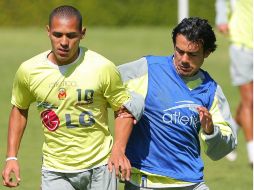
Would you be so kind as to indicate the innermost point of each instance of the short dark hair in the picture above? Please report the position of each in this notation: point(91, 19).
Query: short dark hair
point(66, 11)
point(196, 30)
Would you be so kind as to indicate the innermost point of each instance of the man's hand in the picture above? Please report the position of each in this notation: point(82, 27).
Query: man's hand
point(118, 159)
point(206, 120)
point(223, 28)
point(124, 113)
point(120, 163)
point(11, 167)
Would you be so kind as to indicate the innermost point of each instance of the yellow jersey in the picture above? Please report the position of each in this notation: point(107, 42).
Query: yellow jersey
point(72, 101)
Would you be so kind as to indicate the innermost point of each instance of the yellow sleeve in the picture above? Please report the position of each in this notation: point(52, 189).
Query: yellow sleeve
point(21, 95)
point(113, 88)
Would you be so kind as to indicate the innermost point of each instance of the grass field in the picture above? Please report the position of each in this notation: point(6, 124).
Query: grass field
point(120, 45)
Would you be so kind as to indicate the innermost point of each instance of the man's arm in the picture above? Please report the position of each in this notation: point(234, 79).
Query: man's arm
point(220, 139)
point(222, 12)
point(118, 159)
point(17, 125)
point(121, 101)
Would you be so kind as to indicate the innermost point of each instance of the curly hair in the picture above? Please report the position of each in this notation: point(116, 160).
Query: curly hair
point(196, 30)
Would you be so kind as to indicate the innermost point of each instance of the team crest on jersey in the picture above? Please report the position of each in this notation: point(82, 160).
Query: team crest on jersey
point(62, 94)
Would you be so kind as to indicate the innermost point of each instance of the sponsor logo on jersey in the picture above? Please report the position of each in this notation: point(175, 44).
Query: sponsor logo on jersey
point(50, 120)
point(175, 115)
point(61, 94)
point(63, 84)
point(46, 105)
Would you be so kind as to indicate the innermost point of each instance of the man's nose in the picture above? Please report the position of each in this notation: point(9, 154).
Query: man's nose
point(64, 41)
point(185, 58)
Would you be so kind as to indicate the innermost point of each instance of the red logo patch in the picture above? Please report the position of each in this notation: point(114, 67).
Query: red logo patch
point(50, 120)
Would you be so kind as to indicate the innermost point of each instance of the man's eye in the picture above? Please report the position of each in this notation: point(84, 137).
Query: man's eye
point(71, 36)
point(180, 52)
point(192, 54)
point(57, 35)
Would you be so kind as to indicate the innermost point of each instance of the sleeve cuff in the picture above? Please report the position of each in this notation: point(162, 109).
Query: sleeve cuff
point(135, 105)
point(207, 137)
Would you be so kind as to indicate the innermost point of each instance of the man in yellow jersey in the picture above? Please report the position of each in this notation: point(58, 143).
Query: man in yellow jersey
point(235, 17)
point(72, 87)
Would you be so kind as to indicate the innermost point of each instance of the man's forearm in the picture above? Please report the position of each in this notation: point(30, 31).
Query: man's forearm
point(123, 128)
point(17, 124)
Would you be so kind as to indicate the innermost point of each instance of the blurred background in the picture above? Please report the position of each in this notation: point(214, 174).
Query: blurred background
point(103, 13)
point(121, 30)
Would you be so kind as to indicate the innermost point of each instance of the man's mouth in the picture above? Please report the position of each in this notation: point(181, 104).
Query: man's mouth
point(185, 69)
point(63, 52)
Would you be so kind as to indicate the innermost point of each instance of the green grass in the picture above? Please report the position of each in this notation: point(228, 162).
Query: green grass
point(120, 45)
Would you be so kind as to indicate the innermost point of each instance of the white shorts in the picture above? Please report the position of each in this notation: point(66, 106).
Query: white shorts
point(241, 67)
point(95, 179)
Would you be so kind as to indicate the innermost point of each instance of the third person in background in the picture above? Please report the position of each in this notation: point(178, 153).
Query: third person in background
point(234, 17)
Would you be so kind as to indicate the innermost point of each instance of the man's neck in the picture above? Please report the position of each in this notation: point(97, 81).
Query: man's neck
point(51, 57)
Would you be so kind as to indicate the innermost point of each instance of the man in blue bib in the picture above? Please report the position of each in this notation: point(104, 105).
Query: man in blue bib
point(181, 100)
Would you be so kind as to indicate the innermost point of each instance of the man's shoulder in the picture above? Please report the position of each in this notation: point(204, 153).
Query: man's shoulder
point(33, 62)
point(133, 69)
point(133, 64)
point(157, 59)
point(207, 76)
point(41, 57)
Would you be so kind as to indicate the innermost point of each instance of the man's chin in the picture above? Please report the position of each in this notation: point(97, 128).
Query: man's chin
point(185, 74)
point(63, 61)
point(63, 57)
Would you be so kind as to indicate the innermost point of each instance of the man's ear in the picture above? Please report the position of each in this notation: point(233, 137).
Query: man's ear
point(207, 53)
point(83, 32)
point(48, 29)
